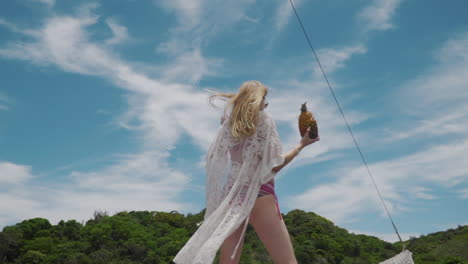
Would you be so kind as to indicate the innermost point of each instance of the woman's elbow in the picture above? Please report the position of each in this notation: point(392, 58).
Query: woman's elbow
point(276, 169)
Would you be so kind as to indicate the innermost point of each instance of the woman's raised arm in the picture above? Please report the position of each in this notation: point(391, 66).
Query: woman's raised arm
point(305, 141)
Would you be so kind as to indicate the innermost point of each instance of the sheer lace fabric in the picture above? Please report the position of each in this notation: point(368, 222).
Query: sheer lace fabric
point(235, 170)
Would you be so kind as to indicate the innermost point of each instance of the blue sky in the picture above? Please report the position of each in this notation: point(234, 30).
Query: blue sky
point(103, 105)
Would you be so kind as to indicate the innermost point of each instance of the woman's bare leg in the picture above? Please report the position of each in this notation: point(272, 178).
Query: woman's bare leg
point(227, 248)
point(272, 230)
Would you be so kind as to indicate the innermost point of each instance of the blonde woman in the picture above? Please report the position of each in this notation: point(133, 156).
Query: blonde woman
point(241, 165)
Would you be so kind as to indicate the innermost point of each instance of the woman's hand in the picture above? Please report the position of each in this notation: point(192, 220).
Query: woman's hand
point(306, 140)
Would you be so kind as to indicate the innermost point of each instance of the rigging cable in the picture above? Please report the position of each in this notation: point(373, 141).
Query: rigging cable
point(349, 128)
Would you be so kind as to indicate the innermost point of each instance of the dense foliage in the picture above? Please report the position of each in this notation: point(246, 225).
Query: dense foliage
point(156, 237)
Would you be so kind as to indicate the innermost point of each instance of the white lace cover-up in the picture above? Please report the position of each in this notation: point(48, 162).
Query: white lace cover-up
point(235, 170)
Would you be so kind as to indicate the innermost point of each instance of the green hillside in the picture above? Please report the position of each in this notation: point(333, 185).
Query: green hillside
point(155, 237)
point(450, 245)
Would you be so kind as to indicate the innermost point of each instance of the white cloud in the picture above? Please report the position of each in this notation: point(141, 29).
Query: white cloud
point(160, 110)
point(436, 99)
point(400, 180)
point(141, 181)
point(63, 42)
point(378, 15)
point(339, 201)
point(14, 208)
point(145, 177)
point(120, 33)
point(163, 109)
point(333, 59)
point(443, 164)
point(158, 106)
point(13, 178)
point(455, 122)
point(11, 173)
point(445, 82)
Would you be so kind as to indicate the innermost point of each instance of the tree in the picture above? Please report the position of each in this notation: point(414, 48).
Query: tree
point(30, 227)
point(10, 240)
point(452, 260)
point(101, 256)
point(33, 256)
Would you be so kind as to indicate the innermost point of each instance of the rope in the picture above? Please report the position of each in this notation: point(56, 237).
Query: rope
point(349, 128)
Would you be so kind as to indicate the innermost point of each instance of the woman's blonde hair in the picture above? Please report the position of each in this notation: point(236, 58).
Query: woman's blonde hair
point(245, 107)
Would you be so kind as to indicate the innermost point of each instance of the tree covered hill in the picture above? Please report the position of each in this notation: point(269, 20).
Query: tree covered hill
point(156, 237)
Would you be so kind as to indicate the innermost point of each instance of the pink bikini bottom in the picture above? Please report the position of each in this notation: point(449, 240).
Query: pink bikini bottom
point(269, 188)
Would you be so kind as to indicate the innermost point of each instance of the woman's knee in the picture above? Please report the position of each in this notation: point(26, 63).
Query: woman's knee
point(228, 246)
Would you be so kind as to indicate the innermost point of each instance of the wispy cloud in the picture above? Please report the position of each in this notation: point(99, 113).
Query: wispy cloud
point(453, 122)
point(437, 100)
point(445, 82)
point(189, 12)
point(15, 207)
point(165, 105)
point(155, 104)
point(198, 21)
point(303, 86)
point(14, 28)
point(437, 97)
point(161, 108)
point(423, 193)
point(333, 59)
point(160, 111)
point(400, 180)
point(146, 177)
point(120, 33)
point(339, 201)
point(379, 14)
point(191, 67)
point(284, 12)
point(463, 193)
